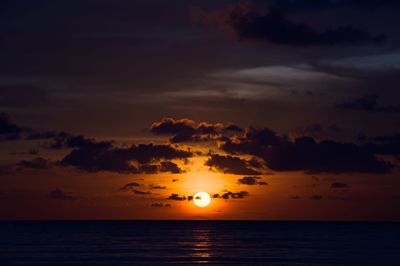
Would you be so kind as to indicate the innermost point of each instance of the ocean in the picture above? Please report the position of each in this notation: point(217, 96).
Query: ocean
point(199, 242)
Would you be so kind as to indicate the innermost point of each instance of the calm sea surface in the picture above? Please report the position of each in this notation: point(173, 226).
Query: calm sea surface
point(199, 242)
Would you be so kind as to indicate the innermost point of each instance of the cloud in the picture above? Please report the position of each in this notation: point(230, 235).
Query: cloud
point(385, 145)
point(338, 185)
point(139, 192)
point(368, 103)
point(186, 130)
point(157, 187)
point(58, 194)
point(305, 154)
point(231, 165)
point(251, 180)
point(177, 197)
point(37, 163)
point(235, 195)
point(249, 21)
point(103, 156)
point(130, 186)
point(170, 167)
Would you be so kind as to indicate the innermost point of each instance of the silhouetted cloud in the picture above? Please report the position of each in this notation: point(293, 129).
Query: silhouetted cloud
point(251, 180)
point(186, 130)
point(58, 194)
point(175, 196)
point(157, 187)
point(235, 195)
point(385, 145)
point(368, 103)
point(305, 154)
point(231, 165)
point(254, 22)
point(102, 156)
point(140, 192)
point(170, 167)
point(130, 186)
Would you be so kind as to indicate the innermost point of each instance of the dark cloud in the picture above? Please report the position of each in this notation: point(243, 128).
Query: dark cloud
point(233, 128)
point(186, 130)
point(170, 167)
point(170, 126)
point(36, 163)
point(177, 197)
point(103, 156)
point(251, 180)
point(234, 195)
point(252, 22)
point(385, 145)
point(140, 192)
point(157, 187)
point(368, 103)
point(338, 185)
point(148, 169)
point(130, 186)
point(58, 194)
point(231, 165)
point(305, 154)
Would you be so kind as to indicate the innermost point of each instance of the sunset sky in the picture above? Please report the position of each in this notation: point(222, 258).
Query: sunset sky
point(280, 110)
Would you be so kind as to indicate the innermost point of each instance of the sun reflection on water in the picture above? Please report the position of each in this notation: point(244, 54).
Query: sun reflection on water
point(201, 245)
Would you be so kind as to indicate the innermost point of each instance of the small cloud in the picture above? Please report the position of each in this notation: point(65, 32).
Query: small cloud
point(175, 196)
point(130, 186)
point(157, 187)
point(235, 195)
point(251, 180)
point(139, 192)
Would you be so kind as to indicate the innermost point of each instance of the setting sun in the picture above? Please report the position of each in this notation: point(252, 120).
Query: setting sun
point(202, 199)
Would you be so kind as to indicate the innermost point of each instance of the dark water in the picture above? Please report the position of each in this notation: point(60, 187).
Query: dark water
point(199, 242)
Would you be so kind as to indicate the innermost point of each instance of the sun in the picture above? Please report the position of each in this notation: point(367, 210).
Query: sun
point(202, 199)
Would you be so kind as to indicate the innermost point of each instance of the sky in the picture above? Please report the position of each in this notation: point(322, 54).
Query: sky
point(280, 110)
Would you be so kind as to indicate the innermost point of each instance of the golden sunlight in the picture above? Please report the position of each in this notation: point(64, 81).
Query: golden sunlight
point(202, 199)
